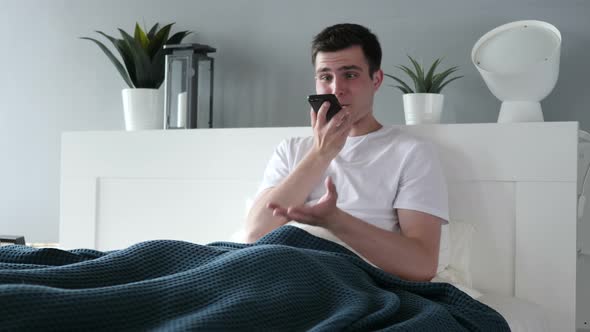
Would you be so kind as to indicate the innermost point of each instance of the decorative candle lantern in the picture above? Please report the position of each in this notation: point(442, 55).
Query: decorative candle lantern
point(188, 89)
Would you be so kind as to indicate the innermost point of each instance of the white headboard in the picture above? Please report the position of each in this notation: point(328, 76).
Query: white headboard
point(516, 183)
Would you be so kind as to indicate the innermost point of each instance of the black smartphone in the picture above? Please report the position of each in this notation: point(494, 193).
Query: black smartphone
point(316, 102)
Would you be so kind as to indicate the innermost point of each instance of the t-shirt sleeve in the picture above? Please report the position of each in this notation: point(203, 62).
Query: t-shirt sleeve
point(422, 185)
point(277, 167)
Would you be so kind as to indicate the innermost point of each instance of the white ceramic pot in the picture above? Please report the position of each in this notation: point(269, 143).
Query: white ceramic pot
point(422, 108)
point(143, 109)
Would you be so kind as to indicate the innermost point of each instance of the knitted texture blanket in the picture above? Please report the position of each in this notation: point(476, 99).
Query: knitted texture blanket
point(289, 280)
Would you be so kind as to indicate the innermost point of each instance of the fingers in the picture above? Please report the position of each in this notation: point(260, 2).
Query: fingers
point(277, 211)
point(330, 185)
point(331, 188)
point(321, 116)
point(301, 214)
point(280, 212)
point(300, 210)
point(341, 119)
point(339, 127)
point(272, 205)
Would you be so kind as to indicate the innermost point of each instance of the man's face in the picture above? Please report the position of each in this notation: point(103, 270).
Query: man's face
point(345, 73)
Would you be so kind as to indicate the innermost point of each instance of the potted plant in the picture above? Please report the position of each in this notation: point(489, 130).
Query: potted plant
point(142, 70)
point(424, 103)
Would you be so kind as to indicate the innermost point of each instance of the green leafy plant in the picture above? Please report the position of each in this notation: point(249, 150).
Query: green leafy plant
point(143, 54)
point(424, 82)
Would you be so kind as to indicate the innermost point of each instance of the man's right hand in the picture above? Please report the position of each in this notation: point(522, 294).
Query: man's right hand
point(329, 137)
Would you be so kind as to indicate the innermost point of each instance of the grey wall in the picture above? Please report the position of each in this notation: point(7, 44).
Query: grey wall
point(53, 82)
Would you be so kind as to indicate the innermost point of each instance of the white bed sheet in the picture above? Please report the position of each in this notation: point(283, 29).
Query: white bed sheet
point(521, 315)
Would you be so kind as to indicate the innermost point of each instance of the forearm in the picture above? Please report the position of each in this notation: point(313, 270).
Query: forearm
point(292, 191)
point(390, 251)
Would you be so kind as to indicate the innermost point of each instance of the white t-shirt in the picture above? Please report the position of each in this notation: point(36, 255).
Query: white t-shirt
point(374, 174)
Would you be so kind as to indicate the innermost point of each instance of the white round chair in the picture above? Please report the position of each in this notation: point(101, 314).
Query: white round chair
point(519, 61)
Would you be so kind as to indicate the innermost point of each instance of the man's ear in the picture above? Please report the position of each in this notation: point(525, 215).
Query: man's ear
point(377, 79)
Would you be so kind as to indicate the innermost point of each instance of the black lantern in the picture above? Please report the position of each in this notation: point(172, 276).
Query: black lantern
point(188, 89)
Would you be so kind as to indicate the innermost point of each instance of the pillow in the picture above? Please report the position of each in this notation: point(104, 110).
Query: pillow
point(460, 242)
point(444, 252)
point(239, 235)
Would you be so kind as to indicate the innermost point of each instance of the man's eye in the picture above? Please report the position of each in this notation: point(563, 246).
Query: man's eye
point(351, 75)
point(325, 77)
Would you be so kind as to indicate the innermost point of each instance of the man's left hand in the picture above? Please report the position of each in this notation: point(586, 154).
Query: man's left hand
point(322, 214)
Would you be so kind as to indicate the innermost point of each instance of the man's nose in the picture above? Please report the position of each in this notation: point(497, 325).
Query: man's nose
point(338, 87)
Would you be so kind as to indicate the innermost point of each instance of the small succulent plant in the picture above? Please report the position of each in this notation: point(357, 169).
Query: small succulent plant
point(142, 54)
point(424, 82)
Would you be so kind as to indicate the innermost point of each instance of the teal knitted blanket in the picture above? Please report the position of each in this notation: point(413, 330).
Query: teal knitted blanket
point(287, 281)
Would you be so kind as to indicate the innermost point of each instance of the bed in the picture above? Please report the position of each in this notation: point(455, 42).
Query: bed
point(512, 196)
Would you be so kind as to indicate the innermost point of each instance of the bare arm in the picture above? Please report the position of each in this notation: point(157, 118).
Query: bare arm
point(411, 254)
point(292, 191)
point(329, 138)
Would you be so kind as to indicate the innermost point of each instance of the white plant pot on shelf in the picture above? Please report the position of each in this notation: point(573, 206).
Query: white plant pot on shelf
point(422, 108)
point(143, 109)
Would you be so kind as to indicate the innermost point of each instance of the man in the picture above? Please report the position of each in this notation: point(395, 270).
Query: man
point(380, 191)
